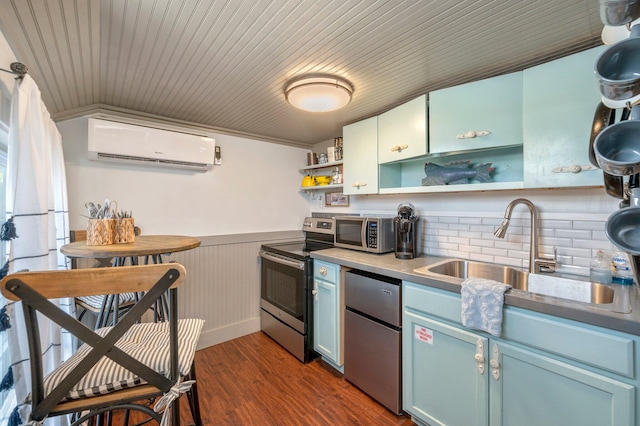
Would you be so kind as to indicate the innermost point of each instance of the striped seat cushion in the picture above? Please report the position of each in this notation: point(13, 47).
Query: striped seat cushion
point(96, 301)
point(147, 342)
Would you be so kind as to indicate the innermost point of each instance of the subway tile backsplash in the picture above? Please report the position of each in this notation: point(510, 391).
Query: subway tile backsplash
point(575, 241)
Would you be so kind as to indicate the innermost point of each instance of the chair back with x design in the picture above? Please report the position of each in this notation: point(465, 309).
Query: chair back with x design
point(87, 381)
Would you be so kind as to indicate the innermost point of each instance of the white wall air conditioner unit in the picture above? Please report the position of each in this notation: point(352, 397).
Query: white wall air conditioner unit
point(114, 141)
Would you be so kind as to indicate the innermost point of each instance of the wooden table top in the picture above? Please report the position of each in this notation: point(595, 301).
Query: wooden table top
point(144, 245)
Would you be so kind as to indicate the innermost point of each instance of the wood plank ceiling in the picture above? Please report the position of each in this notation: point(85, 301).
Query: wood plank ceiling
point(222, 64)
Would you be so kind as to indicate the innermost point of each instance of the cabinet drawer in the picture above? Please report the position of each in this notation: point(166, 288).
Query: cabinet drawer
point(601, 348)
point(595, 346)
point(432, 301)
point(325, 271)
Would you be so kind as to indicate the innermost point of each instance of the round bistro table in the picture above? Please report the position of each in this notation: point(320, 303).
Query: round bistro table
point(144, 245)
point(147, 246)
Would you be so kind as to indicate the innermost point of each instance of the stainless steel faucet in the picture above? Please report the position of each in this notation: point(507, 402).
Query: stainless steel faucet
point(537, 263)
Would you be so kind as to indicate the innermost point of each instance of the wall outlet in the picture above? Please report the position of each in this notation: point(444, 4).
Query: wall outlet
point(217, 160)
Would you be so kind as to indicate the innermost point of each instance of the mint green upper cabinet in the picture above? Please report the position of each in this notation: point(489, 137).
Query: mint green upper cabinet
point(492, 105)
point(560, 99)
point(402, 131)
point(360, 151)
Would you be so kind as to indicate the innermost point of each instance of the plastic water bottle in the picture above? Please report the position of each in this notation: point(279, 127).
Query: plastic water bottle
point(621, 268)
point(600, 271)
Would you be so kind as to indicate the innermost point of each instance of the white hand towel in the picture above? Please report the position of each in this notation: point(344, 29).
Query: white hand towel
point(482, 302)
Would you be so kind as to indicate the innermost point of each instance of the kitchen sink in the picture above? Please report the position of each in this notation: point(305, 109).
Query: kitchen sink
point(603, 296)
point(464, 269)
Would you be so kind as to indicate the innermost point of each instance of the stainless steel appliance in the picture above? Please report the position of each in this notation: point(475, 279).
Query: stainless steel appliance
point(372, 337)
point(407, 232)
point(286, 283)
point(371, 234)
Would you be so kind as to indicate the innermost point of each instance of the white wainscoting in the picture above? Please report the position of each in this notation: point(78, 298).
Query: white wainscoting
point(223, 284)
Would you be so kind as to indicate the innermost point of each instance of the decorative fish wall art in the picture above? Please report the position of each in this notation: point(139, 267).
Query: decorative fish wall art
point(455, 173)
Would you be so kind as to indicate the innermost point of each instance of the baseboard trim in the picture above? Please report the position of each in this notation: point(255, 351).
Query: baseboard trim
point(228, 332)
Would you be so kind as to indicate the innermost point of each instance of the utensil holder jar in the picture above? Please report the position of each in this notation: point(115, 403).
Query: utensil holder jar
point(101, 232)
point(124, 231)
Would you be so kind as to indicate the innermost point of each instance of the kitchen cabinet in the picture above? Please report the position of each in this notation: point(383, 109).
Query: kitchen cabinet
point(402, 131)
point(328, 313)
point(325, 169)
point(482, 114)
point(528, 376)
point(360, 151)
point(440, 379)
point(559, 101)
point(538, 122)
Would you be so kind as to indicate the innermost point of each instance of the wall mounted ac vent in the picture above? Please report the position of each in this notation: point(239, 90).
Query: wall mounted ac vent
point(134, 144)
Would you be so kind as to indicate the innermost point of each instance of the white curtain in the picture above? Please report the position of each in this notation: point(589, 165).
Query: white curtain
point(37, 201)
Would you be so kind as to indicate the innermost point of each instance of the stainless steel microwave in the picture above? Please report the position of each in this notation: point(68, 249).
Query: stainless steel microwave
point(370, 234)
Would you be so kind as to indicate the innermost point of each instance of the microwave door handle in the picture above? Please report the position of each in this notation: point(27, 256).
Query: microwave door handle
point(282, 260)
point(363, 234)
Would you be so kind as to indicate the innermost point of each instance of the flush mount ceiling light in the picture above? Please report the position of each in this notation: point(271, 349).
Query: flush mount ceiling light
point(318, 92)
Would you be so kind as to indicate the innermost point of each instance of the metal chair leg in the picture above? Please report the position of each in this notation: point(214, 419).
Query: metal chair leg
point(192, 395)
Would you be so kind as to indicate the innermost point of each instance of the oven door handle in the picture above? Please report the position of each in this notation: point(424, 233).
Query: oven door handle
point(282, 260)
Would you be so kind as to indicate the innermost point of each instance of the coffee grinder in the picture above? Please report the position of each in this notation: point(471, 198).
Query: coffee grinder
point(407, 232)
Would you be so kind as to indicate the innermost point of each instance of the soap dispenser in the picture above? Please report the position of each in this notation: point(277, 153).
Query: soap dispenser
point(600, 270)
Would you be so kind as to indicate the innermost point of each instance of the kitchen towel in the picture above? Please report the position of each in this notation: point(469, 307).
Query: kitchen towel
point(482, 302)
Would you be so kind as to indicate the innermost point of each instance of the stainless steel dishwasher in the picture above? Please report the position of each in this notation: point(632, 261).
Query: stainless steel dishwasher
point(372, 337)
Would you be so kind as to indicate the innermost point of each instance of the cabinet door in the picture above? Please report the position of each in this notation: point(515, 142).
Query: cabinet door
point(537, 390)
point(325, 319)
point(441, 381)
point(560, 99)
point(493, 105)
point(360, 150)
point(402, 132)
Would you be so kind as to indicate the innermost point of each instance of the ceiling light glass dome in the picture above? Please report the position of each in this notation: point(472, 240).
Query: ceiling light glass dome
point(318, 93)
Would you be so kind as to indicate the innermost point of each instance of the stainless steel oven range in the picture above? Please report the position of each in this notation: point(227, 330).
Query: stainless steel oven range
point(286, 302)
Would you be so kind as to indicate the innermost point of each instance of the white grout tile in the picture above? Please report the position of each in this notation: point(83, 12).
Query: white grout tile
point(481, 257)
point(483, 242)
point(469, 237)
point(494, 252)
point(573, 233)
point(556, 224)
point(508, 245)
point(585, 224)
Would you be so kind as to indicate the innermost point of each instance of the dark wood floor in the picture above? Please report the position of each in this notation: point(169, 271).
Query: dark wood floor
point(253, 381)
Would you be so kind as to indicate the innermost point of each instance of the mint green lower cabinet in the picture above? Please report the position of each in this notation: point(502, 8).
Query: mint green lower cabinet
point(455, 376)
point(327, 312)
point(441, 382)
point(534, 390)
